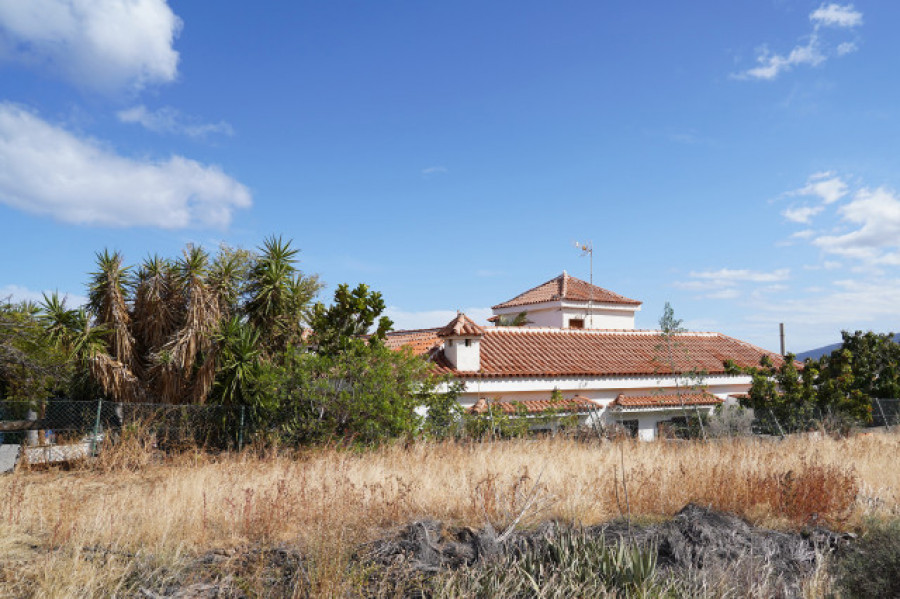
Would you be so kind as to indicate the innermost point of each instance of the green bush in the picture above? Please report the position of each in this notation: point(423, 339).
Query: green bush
point(872, 567)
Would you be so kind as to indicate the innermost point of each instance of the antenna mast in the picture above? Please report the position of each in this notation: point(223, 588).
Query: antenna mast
point(587, 249)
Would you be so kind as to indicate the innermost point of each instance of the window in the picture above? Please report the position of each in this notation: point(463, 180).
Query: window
point(576, 323)
point(468, 342)
point(449, 342)
point(631, 427)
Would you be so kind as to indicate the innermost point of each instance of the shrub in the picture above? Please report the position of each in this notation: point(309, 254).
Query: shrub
point(570, 564)
point(872, 567)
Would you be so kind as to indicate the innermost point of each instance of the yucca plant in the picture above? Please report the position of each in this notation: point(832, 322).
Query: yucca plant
point(154, 333)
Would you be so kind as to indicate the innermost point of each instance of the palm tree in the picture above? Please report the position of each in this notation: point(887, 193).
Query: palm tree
point(155, 334)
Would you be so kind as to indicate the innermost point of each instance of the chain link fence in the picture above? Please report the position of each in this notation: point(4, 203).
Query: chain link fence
point(59, 429)
point(43, 427)
point(885, 413)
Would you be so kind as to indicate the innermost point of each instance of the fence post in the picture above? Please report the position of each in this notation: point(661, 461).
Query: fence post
point(887, 424)
point(31, 436)
point(241, 431)
point(778, 424)
point(96, 428)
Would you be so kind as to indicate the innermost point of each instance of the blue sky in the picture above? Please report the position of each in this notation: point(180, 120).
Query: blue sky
point(737, 159)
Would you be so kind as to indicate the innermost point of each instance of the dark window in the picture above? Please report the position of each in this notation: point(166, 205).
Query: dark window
point(576, 323)
point(631, 426)
point(468, 342)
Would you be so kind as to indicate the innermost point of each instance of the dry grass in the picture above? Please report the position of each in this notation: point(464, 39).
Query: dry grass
point(130, 521)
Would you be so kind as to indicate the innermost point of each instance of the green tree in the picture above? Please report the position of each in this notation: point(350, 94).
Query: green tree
point(353, 387)
point(342, 326)
point(676, 361)
point(838, 386)
point(31, 366)
point(367, 395)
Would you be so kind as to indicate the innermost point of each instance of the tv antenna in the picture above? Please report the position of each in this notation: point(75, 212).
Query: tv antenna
point(587, 249)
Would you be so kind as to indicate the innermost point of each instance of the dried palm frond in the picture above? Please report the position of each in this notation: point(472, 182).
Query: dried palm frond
point(107, 301)
point(117, 379)
point(156, 304)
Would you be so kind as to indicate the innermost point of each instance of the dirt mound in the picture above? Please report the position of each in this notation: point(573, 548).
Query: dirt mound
point(238, 574)
point(697, 538)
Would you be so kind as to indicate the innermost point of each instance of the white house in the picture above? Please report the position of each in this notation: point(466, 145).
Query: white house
point(580, 339)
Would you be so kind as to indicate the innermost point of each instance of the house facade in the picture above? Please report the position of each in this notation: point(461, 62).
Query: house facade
point(579, 339)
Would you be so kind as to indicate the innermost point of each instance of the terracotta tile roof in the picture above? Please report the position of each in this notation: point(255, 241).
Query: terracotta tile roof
point(421, 341)
point(531, 352)
point(657, 401)
point(565, 287)
point(536, 406)
point(461, 326)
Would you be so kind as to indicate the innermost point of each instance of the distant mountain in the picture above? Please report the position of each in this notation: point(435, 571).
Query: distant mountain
point(817, 353)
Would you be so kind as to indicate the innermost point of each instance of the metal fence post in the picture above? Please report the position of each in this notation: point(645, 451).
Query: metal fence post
point(241, 431)
point(887, 424)
point(96, 428)
point(778, 424)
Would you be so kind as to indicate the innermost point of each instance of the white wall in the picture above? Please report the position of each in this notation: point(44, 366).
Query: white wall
point(464, 358)
point(603, 391)
point(557, 314)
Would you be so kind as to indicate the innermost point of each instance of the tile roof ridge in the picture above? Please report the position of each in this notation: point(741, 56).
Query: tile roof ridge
point(401, 331)
point(647, 332)
point(755, 347)
point(527, 291)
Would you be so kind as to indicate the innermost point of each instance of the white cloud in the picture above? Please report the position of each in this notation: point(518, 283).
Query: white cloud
point(846, 48)
point(730, 283)
point(726, 293)
point(826, 186)
point(428, 319)
point(836, 15)
point(849, 304)
point(18, 293)
point(736, 275)
point(170, 120)
point(106, 45)
point(804, 234)
point(434, 170)
point(802, 214)
point(771, 65)
point(877, 215)
point(812, 53)
point(47, 170)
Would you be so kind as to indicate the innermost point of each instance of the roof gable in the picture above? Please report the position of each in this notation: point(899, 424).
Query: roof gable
point(568, 288)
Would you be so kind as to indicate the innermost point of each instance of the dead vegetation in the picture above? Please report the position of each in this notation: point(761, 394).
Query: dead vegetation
point(136, 523)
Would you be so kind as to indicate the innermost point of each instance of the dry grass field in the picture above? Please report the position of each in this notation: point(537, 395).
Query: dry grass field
point(131, 519)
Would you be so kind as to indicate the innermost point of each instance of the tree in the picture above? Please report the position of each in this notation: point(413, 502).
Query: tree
point(669, 347)
point(784, 393)
point(353, 386)
point(841, 385)
point(31, 366)
point(156, 333)
point(342, 326)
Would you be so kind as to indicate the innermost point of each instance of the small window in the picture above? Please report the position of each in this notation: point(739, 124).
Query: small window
point(449, 342)
point(576, 323)
point(468, 342)
point(630, 426)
